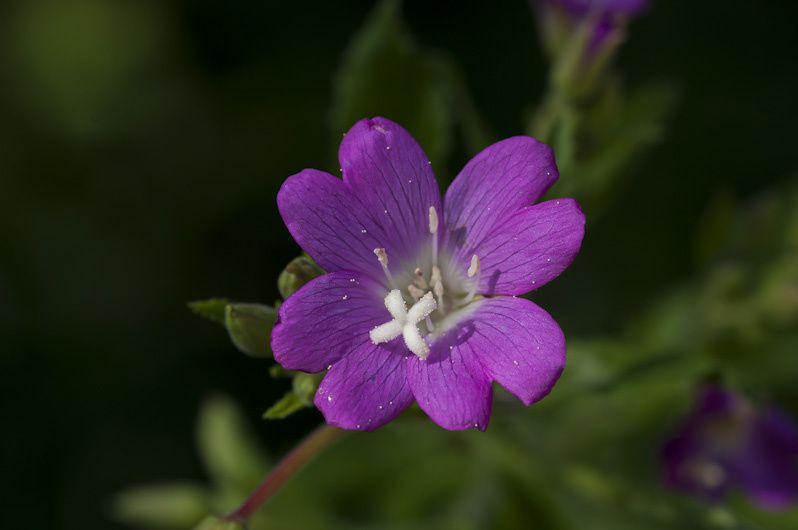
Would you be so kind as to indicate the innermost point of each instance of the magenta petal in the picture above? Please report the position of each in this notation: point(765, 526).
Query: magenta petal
point(367, 388)
point(325, 320)
point(389, 173)
point(329, 224)
point(520, 346)
point(494, 185)
point(450, 385)
point(530, 249)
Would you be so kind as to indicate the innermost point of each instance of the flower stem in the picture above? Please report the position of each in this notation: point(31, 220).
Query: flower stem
point(300, 455)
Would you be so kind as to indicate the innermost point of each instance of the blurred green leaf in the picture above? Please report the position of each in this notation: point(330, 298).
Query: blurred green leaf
point(385, 73)
point(213, 309)
point(250, 327)
point(296, 274)
point(229, 451)
point(177, 506)
point(216, 523)
point(712, 234)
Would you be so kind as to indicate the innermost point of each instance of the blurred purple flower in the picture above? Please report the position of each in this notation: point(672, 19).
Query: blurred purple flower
point(606, 16)
point(725, 442)
point(388, 242)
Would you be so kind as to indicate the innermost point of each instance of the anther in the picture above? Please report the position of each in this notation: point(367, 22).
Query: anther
point(433, 229)
point(473, 272)
point(419, 280)
point(382, 256)
point(433, 220)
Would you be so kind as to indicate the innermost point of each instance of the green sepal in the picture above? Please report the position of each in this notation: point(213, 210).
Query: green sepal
point(296, 274)
point(288, 405)
point(250, 327)
point(303, 388)
point(213, 309)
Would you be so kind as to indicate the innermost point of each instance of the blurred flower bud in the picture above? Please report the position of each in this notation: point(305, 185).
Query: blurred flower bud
point(582, 35)
point(250, 327)
point(296, 274)
point(725, 443)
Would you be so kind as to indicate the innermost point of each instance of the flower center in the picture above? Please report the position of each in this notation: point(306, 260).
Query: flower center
point(429, 297)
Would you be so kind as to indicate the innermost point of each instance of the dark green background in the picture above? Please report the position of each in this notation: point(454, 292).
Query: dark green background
point(141, 148)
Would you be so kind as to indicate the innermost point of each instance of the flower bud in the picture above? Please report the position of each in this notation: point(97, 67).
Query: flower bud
point(250, 327)
point(296, 274)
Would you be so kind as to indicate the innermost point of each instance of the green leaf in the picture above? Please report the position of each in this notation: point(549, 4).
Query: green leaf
point(385, 73)
point(178, 505)
point(250, 327)
point(212, 309)
point(215, 523)
point(289, 404)
point(230, 452)
point(296, 274)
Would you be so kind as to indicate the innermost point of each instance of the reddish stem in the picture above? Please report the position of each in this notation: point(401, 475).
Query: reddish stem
point(300, 455)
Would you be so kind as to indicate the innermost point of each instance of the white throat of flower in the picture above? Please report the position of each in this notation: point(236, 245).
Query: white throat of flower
point(427, 294)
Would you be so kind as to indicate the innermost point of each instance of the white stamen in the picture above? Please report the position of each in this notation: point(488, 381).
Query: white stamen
point(433, 229)
point(437, 287)
point(382, 256)
point(405, 322)
point(415, 292)
point(419, 280)
point(433, 220)
point(473, 272)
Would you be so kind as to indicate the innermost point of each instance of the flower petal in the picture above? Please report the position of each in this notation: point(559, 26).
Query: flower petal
point(329, 223)
point(325, 320)
point(366, 388)
point(530, 249)
point(450, 385)
point(495, 184)
point(768, 465)
point(519, 345)
point(388, 172)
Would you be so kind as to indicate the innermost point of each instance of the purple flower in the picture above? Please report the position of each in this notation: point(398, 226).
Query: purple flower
point(725, 442)
point(419, 300)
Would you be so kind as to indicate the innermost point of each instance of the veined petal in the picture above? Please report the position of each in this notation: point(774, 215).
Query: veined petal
point(530, 249)
point(386, 169)
point(330, 224)
point(494, 185)
point(450, 385)
point(519, 345)
point(366, 388)
point(326, 320)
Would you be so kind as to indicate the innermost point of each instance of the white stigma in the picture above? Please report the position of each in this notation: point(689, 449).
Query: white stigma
point(405, 322)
